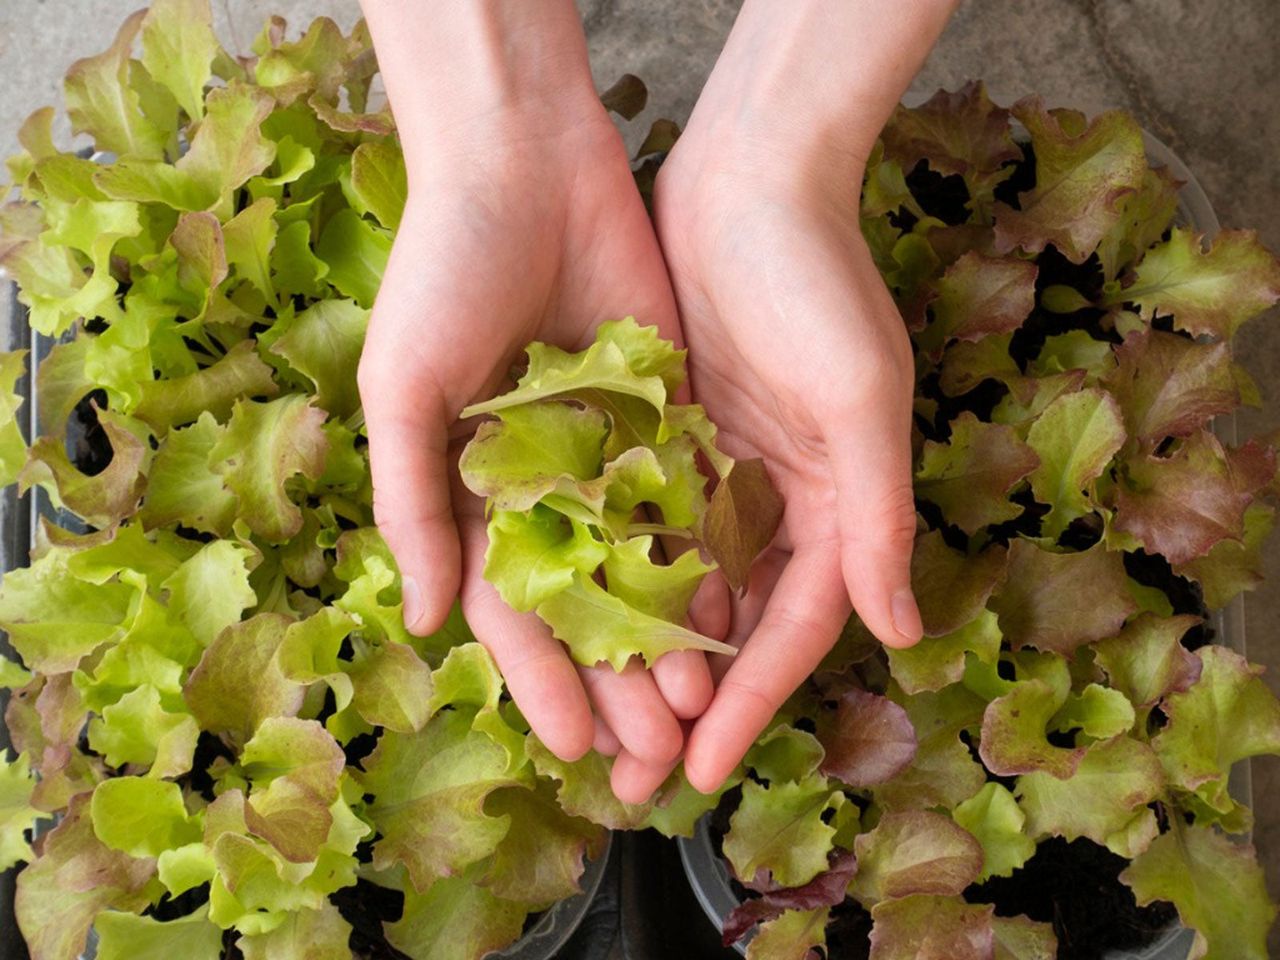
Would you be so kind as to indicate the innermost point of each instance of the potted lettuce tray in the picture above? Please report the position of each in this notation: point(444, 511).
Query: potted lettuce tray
point(225, 743)
point(1046, 773)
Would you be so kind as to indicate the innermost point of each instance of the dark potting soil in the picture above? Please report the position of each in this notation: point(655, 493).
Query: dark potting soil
point(1076, 887)
point(365, 906)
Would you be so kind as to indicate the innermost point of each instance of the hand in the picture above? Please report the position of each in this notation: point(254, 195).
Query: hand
point(796, 348)
point(523, 223)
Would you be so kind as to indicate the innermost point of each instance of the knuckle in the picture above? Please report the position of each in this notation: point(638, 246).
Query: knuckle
point(741, 690)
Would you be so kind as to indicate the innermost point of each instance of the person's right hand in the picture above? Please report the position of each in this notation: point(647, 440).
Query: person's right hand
point(523, 223)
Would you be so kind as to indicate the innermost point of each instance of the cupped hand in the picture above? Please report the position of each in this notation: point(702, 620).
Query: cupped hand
point(517, 228)
point(798, 353)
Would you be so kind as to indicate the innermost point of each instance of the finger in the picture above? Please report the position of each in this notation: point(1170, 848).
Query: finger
point(709, 613)
point(537, 669)
point(871, 461)
point(800, 623)
point(606, 742)
point(747, 609)
point(629, 702)
point(634, 780)
point(684, 680)
point(408, 440)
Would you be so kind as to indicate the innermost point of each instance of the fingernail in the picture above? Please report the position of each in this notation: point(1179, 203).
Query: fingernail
point(412, 598)
point(906, 616)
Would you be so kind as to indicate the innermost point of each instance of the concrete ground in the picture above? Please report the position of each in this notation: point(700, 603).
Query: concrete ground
point(1201, 76)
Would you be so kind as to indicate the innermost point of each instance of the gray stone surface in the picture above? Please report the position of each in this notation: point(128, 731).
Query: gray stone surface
point(1202, 76)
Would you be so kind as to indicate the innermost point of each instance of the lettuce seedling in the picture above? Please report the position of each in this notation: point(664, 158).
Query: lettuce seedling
point(579, 450)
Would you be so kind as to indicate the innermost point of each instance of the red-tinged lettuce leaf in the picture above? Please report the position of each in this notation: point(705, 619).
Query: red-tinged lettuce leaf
point(927, 927)
point(44, 720)
point(979, 296)
point(1114, 782)
point(956, 132)
point(1209, 292)
point(970, 475)
point(915, 852)
point(1171, 386)
point(782, 828)
point(74, 877)
point(741, 519)
point(430, 789)
point(238, 682)
point(1082, 177)
point(1075, 438)
point(1215, 883)
point(1147, 659)
point(943, 772)
point(869, 739)
point(1228, 715)
point(305, 934)
point(264, 446)
point(1061, 601)
point(825, 890)
point(101, 499)
point(1145, 216)
point(993, 818)
point(456, 918)
point(1182, 504)
point(540, 860)
point(794, 935)
point(293, 766)
point(1231, 567)
point(1014, 733)
point(952, 588)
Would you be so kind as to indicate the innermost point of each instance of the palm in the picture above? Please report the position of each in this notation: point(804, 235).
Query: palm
point(797, 352)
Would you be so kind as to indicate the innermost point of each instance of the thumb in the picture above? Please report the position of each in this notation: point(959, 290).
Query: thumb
point(407, 423)
point(871, 462)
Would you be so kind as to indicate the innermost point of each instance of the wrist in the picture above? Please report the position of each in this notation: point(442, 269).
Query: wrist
point(463, 75)
point(812, 84)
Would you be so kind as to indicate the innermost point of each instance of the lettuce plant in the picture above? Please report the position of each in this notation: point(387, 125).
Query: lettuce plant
point(1079, 521)
point(225, 739)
